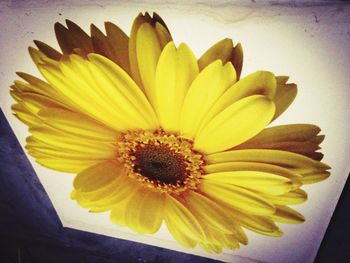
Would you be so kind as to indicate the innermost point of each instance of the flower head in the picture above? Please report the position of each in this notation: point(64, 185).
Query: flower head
point(156, 135)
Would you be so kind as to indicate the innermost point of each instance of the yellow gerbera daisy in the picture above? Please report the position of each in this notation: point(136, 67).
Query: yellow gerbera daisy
point(156, 135)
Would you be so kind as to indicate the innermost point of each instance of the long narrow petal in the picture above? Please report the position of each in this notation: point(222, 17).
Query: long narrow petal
point(92, 198)
point(290, 132)
point(177, 214)
point(180, 235)
point(101, 44)
point(294, 197)
point(72, 37)
point(298, 138)
point(24, 115)
point(144, 213)
point(128, 89)
point(224, 51)
point(204, 91)
point(287, 215)
point(238, 197)
point(47, 50)
point(285, 94)
point(177, 67)
point(258, 83)
point(97, 176)
point(159, 29)
point(311, 178)
point(118, 89)
point(124, 189)
point(209, 212)
point(221, 50)
point(260, 224)
point(236, 124)
point(119, 43)
point(275, 157)
point(237, 59)
point(255, 180)
point(34, 103)
point(253, 166)
point(148, 51)
point(76, 124)
point(37, 85)
point(66, 165)
point(47, 137)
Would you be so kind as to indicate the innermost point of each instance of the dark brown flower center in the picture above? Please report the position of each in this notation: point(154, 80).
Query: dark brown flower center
point(163, 161)
point(159, 163)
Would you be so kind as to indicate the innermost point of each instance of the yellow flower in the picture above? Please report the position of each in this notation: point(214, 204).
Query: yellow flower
point(156, 135)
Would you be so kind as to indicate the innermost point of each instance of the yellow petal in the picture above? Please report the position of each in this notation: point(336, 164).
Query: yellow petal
point(258, 83)
point(177, 67)
point(148, 51)
point(100, 43)
point(39, 57)
point(213, 238)
point(72, 37)
point(287, 215)
point(211, 248)
point(118, 90)
point(260, 224)
point(119, 44)
point(163, 34)
point(76, 124)
point(285, 95)
point(124, 189)
point(180, 235)
point(144, 213)
point(291, 132)
point(281, 158)
point(93, 197)
point(282, 79)
point(66, 165)
point(276, 233)
point(38, 86)
point(209, 212)
point(224, 51)
point(47, 50)
point(97, 176)
point(300, 138)
point(257, 181)
point(237, 59)
point(133, 96)
point(25, 115)
point(82, 103)
point(159, 32)
point(206, 88)
point(118, 212)
point(295, 178)
point(236, 124)
point(294, 197)
point(311, 178)
point(44, 137)
point(35, 102)
point(177, 215)
point(39, 151)
point(221, 50)
point(237, 234)
point(238, 197)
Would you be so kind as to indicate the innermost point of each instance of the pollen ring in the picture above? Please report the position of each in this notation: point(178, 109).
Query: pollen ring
point(161, 160)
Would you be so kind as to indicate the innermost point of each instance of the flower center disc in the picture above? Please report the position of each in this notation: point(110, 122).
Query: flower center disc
point(159, 160)
point(159, 163)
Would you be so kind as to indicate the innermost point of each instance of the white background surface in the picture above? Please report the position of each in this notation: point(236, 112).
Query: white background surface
point(308, 42)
